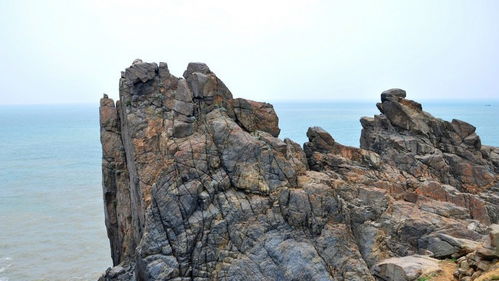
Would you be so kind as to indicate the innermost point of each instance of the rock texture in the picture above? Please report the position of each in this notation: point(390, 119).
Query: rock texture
point(198, 186)
point(406, 268)
point(484, 259)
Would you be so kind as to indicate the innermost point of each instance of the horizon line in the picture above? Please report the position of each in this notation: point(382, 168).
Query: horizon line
point(451, 101)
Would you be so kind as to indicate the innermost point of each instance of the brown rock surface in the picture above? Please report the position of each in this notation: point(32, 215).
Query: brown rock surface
point(197, 186)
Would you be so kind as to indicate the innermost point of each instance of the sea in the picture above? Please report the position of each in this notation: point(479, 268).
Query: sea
point(51, 208)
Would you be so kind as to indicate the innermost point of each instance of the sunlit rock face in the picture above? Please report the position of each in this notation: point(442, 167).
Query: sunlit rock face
point(198, 186)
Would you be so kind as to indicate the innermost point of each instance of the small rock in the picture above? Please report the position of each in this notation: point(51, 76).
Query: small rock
point(487, 253)
point(323, 140)
point(469, 272)
point(255, 116)
point(462, 128)
point(483, 265)
point(464, 265)
point(476, 274)
point(393, 94)
point(182, 129)
point(196, 67)
point(494, 237)
point(141, 72)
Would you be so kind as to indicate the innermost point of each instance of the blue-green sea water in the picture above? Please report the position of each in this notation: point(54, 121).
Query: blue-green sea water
point(51, 210)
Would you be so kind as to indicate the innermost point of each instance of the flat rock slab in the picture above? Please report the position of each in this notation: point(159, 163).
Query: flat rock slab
point(406, 268)
point(494, 236)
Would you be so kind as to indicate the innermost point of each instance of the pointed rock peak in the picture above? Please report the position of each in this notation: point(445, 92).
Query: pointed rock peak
point(105, 100)
point(140, 71)
point(394, 94)
point(196, 67)
point(163, 70)
point(163, 65)
point(137, 61)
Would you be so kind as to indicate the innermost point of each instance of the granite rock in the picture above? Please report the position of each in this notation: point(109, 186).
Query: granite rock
point(198, 186)
point(406, 268)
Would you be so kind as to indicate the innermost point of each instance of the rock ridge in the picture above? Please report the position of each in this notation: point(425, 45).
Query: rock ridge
point(198, 186)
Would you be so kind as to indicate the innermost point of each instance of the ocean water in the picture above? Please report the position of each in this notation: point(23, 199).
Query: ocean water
point(341, 119)
point(51, 210)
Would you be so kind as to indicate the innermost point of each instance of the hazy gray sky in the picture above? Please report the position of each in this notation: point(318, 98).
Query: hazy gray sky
point(73, 51)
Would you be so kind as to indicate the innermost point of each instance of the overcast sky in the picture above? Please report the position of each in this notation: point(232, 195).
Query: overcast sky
point(73, 51)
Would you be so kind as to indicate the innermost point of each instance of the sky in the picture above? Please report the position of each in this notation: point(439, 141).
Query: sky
point(302, 50)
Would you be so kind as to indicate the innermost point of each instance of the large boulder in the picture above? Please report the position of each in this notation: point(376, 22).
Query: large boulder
point(406, 268)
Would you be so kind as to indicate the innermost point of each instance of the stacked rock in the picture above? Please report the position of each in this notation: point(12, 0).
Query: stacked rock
point(484, 259)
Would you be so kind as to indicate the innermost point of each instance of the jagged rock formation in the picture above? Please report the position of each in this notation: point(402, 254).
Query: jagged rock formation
point(198, 186)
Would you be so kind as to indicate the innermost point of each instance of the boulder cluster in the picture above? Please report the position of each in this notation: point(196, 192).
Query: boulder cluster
point(198, 186)
point(485, 258)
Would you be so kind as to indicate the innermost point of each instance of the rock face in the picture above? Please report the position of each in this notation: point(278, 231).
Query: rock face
point(198, 186)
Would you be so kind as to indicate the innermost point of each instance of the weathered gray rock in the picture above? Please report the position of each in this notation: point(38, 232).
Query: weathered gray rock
point(406, 268)
point(393, 94)
point(442, 245)
point(197, 186)
point(253, 116)
point(434, 150)
point(198, 67)
point(115, 182)
point(484, 259)
point(494, 235)
point(141, 72)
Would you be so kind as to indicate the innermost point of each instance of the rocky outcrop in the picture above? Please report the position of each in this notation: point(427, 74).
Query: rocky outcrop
point(198, 186)
point(428, 147)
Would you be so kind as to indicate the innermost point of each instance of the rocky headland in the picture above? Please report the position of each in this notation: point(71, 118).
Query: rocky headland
point(198, 186)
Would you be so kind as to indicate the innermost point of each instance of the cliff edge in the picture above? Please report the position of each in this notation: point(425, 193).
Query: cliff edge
point(198, 186)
